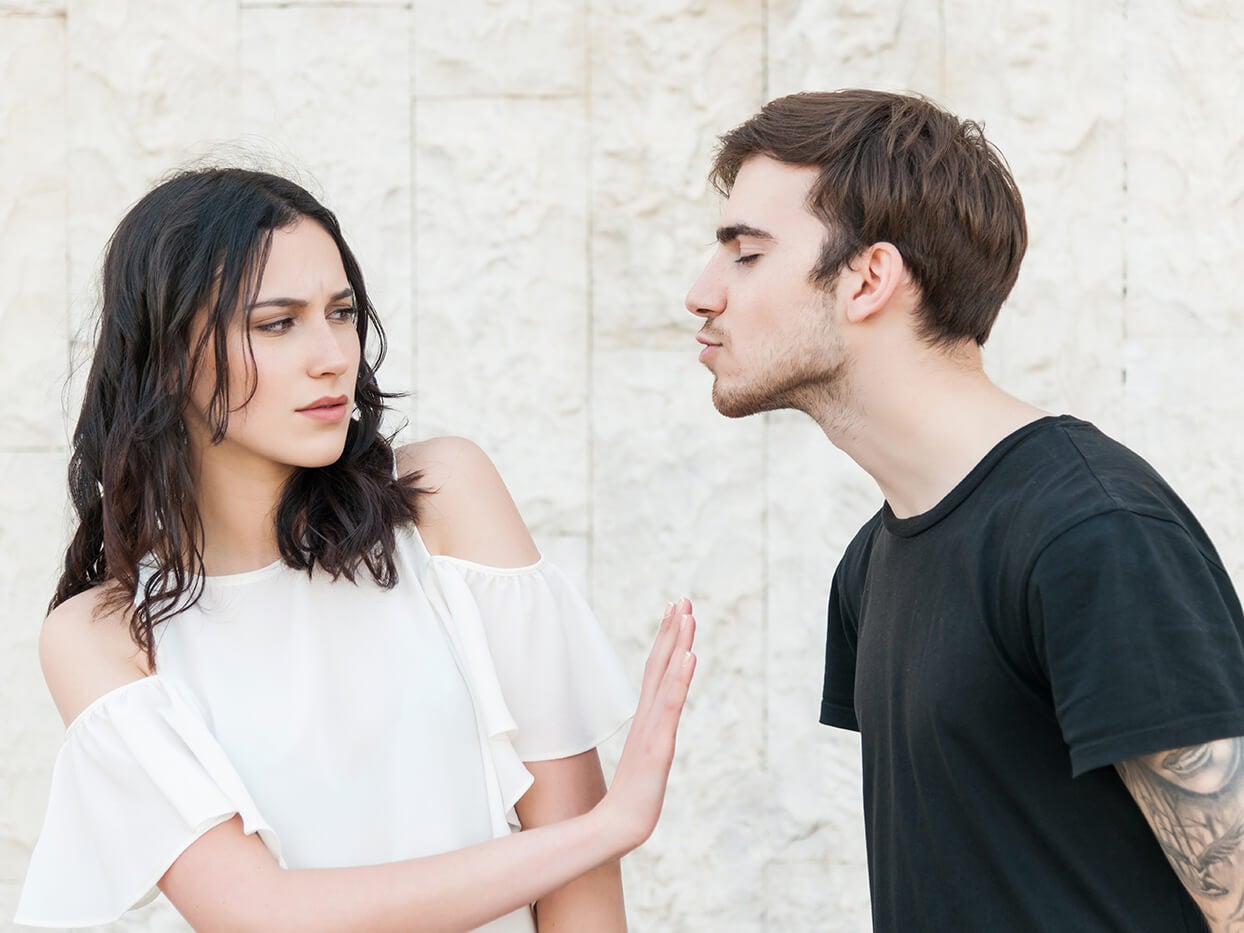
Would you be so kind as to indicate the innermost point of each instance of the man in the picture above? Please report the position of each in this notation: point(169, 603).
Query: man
point(1035, 639)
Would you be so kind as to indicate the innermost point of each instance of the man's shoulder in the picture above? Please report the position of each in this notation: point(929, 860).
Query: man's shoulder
point(1072, 471)
point(1078, 477)
point(1124, 477)
point(1127, 478)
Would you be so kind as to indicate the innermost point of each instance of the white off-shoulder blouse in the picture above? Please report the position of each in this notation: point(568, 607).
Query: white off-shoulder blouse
point(344, 723)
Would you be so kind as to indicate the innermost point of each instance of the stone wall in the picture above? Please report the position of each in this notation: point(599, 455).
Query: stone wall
point(524, 183)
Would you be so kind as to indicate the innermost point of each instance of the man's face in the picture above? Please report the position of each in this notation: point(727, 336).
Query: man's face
point(771, 338)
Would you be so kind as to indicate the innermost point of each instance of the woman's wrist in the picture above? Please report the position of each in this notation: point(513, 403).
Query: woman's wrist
point(618, 829)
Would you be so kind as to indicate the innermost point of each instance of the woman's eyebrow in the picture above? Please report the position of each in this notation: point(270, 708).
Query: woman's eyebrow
point(300, 302)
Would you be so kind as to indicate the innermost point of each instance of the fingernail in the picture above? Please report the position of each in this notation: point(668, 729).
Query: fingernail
point(682, 623)
point(687, 658)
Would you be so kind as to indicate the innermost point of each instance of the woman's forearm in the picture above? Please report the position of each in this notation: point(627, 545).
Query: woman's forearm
point(459, 890)
point(228, 881)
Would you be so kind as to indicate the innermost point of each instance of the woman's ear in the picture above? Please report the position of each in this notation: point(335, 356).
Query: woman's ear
point(876, 273)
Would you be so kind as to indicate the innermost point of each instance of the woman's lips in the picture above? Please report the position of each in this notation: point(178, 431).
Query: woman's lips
point(327, 409)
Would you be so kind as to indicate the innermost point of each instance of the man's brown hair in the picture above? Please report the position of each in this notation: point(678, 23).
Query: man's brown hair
point(897, 168)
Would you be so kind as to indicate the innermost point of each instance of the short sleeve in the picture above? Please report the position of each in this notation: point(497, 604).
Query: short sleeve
point(560, 678)
point(842, 632)
point(838, 696)
point(1141, 636)
point(139, 778)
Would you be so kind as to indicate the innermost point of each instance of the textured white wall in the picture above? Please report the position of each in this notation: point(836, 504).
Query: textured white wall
point(524, 184)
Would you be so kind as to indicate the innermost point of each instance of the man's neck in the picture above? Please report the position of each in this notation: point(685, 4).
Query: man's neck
point(919, 426)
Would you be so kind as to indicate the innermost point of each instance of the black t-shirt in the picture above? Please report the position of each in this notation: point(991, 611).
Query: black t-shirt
point(1060, 610)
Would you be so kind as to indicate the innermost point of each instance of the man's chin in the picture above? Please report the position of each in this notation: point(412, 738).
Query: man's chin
point(740, 405)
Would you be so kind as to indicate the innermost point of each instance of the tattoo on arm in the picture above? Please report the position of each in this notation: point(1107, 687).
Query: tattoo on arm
point(1193, 798)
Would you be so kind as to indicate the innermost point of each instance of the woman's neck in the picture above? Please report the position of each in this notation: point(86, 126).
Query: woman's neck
point(237, 499)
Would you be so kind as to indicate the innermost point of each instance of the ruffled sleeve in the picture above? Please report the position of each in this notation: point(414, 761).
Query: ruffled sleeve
point(546, 681)
point(139, 778)
point(559, 675)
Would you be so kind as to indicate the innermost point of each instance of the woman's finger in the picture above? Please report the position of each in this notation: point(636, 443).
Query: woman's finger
point(656, 728)
point(680, 668)
point(658, 657)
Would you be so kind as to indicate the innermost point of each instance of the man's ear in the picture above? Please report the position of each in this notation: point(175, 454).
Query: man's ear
point(875, 274)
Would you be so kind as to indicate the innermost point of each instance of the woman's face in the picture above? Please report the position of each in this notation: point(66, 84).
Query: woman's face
point(306, 358)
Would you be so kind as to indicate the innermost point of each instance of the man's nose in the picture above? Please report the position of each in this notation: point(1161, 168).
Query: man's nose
point(707, 297)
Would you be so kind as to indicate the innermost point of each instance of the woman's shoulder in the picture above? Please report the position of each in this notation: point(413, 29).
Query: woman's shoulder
point(467, 512)
point(85, 649)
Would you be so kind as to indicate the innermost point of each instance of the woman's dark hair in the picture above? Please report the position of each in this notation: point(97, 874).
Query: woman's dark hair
point(897, 168)
point(193, 250)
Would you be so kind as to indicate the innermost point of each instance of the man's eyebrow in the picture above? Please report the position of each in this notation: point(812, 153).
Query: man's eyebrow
point(734, 231)
point(298, 302)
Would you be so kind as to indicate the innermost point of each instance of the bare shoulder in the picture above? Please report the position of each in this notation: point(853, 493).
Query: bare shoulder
point(440, 458)
point(468, 512)
point(86, 650)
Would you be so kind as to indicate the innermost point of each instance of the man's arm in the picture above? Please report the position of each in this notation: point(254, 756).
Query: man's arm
point(1193, 798)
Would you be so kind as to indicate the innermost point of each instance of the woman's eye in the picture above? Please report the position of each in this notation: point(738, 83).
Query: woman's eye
point(279, 326)
point(747, 260)
point(344, 314)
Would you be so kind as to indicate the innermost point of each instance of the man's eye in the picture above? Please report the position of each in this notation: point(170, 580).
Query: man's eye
point(747, 260)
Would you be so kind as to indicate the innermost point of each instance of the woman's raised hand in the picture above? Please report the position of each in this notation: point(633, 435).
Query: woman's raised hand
point(633, 802)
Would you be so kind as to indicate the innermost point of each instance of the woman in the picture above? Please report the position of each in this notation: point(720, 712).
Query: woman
point(312, 683)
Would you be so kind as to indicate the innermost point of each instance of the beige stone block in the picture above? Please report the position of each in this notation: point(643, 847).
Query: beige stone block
point(74, 389)
point(343, 4)
point(1058, 341)
point(494, 47)
point(818, 870)
point(502, 294)
point(33, 247)
point(1185, 168)
point(32, 8)
point(341, 122)
point(677, 490)
point(32, 503)
point(677, 46)
point(151, 88)
point(1185, 415)
point(1058, 338)
point(817, 499)
point(1032, 51)
point(667, 80)
point(822, 45)
point(816, 895)
point(678, 510)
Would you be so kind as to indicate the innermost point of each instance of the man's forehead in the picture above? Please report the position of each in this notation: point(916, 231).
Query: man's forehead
point(769, 195)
